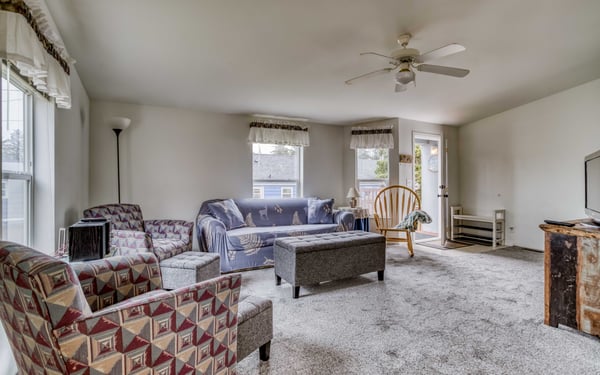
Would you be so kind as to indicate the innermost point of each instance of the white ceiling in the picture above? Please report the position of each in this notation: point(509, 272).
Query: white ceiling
point(291, 58)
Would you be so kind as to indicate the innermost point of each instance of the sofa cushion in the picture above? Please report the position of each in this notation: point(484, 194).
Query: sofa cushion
point(227, 212)
point(320, 211)
point(251, 239)
point(273, 212)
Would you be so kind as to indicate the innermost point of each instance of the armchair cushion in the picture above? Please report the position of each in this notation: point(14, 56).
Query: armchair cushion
point(130, 242)
point(111, 280)
point(320, 211)
point(164, 248)
point(228, 212)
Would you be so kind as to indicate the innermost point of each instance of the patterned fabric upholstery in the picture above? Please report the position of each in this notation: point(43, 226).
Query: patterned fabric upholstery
point(111, 280)
point(52, 329)
point(38, 294)
point(266, 219)
point(122, 216)
point(131, 234)
point(129, 242)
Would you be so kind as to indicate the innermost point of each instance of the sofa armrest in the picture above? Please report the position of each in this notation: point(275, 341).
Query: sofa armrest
point(129, 242)
point(202, 318)
point(344, 219)
point(212, 234)
point(111, 280)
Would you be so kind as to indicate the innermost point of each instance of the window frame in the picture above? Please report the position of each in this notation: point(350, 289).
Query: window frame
point(290, 194)
point(20, 83)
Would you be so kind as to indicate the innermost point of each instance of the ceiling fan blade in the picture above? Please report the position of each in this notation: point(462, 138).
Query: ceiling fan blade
point(445, 70)
point(370, 74)
point(448, 50)
point(390, 58)
point(400, 87)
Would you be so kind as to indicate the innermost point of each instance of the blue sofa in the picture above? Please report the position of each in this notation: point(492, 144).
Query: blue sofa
point(242, 231)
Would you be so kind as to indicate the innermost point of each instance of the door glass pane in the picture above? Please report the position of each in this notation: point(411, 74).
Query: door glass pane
point(426, 182)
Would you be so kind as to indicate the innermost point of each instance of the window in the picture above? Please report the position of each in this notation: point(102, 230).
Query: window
point(258, 192)
point(372, 174)
point(276, 170)
point(16, 158)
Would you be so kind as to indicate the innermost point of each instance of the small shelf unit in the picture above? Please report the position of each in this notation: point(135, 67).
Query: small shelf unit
point(482, 230)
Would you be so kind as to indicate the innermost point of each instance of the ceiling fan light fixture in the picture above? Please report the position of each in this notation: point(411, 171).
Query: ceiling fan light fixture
point(405, 76)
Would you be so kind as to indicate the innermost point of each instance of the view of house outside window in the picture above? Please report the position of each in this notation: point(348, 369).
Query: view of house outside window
point(16, 160)
point(372, 174)
point(276, 171)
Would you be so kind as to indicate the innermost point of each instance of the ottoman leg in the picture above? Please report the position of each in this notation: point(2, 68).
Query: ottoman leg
point(277, 280)
point(380, 275)
point(296, 292)
point(264, 351)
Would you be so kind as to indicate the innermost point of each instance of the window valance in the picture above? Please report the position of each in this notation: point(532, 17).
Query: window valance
point(278, 132)
point(372, 137)
point(29, 41)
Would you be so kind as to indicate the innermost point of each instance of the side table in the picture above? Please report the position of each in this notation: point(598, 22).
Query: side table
point(361, 216)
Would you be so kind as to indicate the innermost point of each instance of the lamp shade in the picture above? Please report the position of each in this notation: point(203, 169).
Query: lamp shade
point(352, 193)
point(119, 123)
point(405, 76)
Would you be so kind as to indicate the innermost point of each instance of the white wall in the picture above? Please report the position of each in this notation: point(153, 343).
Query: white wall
point(529, 160)
point(71, 157)
point(173, 159)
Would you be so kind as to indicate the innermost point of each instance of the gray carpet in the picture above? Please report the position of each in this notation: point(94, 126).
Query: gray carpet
point(441, 312)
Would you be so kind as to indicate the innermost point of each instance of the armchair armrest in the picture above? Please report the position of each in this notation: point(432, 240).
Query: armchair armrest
point(111, 280)
point(129, 242)
point(212, 235)
point(344, 219)
point(195, 324)
point(170, 229)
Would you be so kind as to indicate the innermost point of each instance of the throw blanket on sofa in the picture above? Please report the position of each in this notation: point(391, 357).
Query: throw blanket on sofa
point(410, 221)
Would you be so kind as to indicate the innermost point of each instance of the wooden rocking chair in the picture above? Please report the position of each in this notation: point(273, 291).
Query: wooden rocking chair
point(392, 204)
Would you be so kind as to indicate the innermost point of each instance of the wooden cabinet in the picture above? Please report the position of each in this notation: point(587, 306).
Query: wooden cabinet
point(486, 230)
point(572, 276)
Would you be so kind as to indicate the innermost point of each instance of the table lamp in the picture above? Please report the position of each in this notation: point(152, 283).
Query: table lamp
point(352, 195)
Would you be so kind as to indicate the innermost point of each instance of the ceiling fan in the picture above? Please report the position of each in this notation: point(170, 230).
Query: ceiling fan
point(406, 60)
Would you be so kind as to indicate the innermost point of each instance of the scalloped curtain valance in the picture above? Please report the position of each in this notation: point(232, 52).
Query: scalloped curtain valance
point(29, 41)
point(278, 132)
point(372, 137)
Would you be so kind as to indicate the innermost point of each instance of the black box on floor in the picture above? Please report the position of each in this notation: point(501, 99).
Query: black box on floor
point(89, 239)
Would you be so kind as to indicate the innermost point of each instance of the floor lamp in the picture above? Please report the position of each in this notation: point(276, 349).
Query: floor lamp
point(118, 124)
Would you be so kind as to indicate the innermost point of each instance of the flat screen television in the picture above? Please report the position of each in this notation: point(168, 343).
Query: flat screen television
point(592, 186)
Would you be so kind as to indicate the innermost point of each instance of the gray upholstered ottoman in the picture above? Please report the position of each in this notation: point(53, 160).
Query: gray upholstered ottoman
point(307, 260)
point(189, 268)
point(255, 326)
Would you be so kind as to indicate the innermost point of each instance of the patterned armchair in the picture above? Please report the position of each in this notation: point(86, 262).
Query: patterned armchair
point(126, 325)
point(130, 233)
